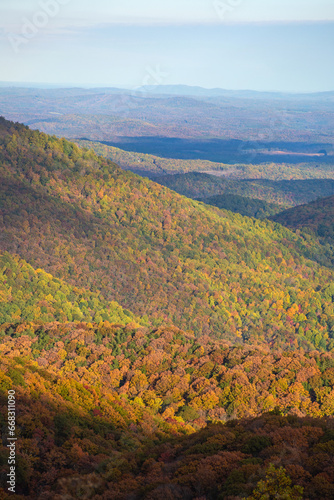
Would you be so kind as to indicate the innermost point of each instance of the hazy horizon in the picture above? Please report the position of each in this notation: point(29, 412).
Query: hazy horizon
point(228, 44)
point(127, 87)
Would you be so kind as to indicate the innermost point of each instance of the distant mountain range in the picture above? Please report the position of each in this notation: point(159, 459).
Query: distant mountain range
point(187, 90)
point(180, 90)
point(201, 125)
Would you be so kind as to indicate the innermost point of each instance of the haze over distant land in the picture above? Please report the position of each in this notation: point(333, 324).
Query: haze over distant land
point(254, 45)
point(172, 89)
point(183, 122)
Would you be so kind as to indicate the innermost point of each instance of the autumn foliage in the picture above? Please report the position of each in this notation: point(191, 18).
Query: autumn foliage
point(165, 258)
point(113, 405)
point(159, 348)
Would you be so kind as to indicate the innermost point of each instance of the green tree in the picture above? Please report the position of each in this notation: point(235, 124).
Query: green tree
point(276, 486)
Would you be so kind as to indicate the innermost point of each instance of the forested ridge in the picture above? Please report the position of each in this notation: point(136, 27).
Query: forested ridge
point(153, 165)
point(34, 295)
point(122, 412)
point(159, 348)
point(242, 205)
point(165, 258)
point(285, 193)
point(317, 217)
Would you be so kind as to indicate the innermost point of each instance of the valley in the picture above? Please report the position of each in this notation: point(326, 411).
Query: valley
point(167, 294)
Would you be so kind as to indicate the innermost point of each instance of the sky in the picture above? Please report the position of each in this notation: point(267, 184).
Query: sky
point(283, 45)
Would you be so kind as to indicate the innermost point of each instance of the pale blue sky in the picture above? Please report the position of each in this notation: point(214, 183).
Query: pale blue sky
point(235, 44)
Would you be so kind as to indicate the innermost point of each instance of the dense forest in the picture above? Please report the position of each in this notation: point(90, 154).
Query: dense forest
point(121, 412)
point(160, 348)
point(317, 217)
point(251, 207)
point(286, 193)
point(34, 295)
point(162, 256)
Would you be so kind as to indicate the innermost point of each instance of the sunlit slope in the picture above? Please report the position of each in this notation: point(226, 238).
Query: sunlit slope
point(29, 294)
point(164, 257)
point(105, 409)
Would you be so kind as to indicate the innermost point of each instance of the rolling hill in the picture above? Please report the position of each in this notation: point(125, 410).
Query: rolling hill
point(286, 193)
point(162, 256)
point(242, 205)
point(304, 123)
point(121, 412)
point(317, 217)
point(112, 404)
point(154, 166)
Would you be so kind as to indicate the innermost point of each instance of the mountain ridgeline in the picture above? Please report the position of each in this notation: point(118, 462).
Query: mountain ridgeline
point(317, 217)
point(165, 258)
point(284, 193)
point(159, 347)
point(242, 205)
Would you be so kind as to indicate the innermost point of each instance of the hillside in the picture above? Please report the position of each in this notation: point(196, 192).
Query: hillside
point(164, 257)
point(29, 294)
point(245, 206)
point(153, 166)
point(121, 412)
point(317, 217)
point(286, 193)
point(219, 384)
point(149, 165)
